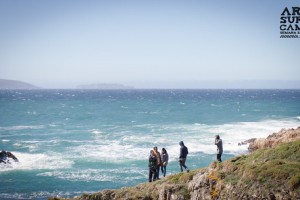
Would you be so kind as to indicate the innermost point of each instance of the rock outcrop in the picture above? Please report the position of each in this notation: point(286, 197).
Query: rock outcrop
point(270, 172)
point(273, 140)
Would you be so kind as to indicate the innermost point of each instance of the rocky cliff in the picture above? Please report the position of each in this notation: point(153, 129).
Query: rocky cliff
point(270, 172)
point(273, 140)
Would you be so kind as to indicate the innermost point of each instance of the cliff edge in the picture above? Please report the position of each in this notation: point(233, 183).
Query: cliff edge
point(269, 172)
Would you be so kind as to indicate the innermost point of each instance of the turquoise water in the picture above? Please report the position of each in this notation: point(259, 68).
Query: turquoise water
point(75, 141)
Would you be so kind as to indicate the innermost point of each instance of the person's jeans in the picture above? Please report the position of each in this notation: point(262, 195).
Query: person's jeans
point(182, 164)
point(164, 170)
point(156, 176)
point(152, 174)
point(219, 157)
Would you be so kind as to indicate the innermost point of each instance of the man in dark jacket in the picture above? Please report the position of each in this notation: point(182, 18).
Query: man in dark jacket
point(182, 156)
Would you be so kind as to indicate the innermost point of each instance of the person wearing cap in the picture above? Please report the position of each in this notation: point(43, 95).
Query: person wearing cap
point(219, 144)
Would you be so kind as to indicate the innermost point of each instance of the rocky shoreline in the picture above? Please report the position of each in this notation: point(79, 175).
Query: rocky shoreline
point(270, 171)
point(283, 136)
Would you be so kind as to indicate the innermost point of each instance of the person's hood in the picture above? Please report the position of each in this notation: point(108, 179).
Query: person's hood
point(181, 143)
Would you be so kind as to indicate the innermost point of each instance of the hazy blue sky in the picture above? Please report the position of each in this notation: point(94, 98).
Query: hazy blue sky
point(60, 43)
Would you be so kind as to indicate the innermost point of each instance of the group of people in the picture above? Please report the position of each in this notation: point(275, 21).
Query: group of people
point(159, 161)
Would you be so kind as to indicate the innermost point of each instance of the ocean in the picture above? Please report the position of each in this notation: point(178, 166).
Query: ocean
point(70, 142)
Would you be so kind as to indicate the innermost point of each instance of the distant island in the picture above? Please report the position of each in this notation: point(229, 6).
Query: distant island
point(104, 86)
point(15, 85)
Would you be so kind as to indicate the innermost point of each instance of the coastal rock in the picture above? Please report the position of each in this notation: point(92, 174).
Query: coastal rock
point(200, 185)
point(283, 136)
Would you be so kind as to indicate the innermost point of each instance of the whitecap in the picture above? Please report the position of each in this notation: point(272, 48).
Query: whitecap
point(29, 161)
point(95, 131)
point(110, 175)
point(21, 127)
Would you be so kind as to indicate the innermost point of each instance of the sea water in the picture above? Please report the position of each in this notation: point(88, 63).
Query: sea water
point(70, 142)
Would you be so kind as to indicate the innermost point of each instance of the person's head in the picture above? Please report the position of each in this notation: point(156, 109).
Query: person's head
point(181, 143)
point(217, 137)
point(155, 148)
point(163, 150)
point(151, 152)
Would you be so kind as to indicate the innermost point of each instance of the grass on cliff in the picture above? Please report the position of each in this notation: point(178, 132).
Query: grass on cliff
point(271, 167)
point(177, 183)
point(150, 190)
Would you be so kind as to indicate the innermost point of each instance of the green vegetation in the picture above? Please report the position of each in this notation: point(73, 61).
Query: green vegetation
point(271, 167)
point(181, 178)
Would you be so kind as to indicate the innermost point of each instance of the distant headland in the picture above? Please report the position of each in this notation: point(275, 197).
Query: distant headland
point(16, 85)
point(20, 85)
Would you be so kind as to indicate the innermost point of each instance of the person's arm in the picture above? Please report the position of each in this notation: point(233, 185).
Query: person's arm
point(167, 160)
point(149, 161)
point(181, 153)
point(216, 141)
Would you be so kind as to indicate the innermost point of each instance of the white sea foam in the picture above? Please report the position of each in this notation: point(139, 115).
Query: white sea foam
point(31, 145)
point(97, 174)
point(234, 133)
point(36, 161)
point(125, 145)
point(115, 151)
point(21, 127)
point(95, 131)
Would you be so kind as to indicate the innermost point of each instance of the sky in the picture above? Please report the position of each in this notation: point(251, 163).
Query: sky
point(147, 43)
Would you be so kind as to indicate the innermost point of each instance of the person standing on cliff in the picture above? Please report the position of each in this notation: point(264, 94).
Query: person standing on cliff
point(158, 162)
point(219, 144)
point(164, 160)
point(152, 166)
point(182, 156)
